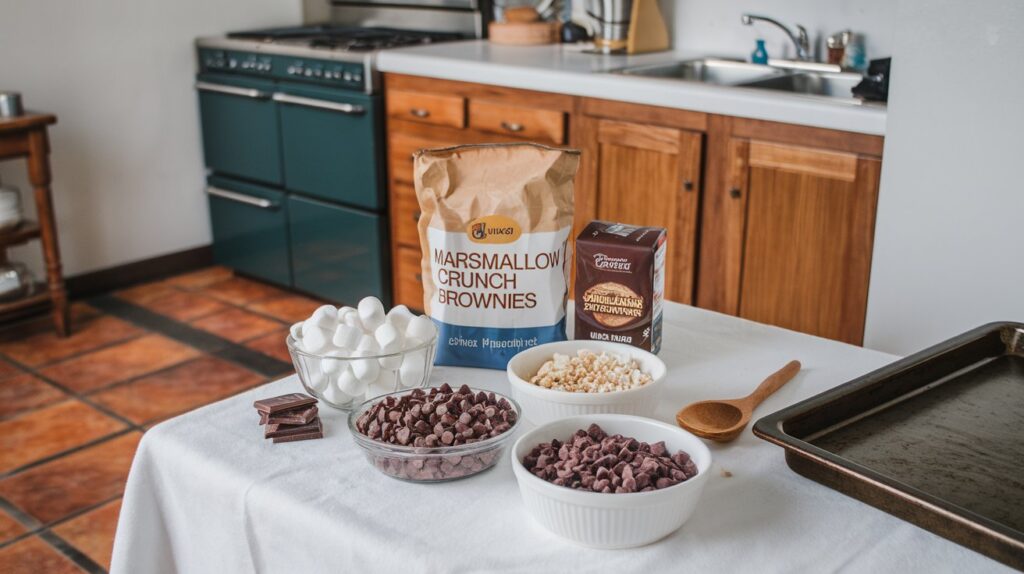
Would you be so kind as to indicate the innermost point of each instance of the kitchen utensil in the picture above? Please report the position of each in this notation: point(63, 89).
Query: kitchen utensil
point(934, 438)
point(10, 104)
point(603, 520)
point(15, 281)
point(401, 462)
point(630, 26)
point(542, 405)
point(317, 381)
point(724, 420)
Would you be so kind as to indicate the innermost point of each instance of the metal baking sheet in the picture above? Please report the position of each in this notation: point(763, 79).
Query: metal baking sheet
point(936, 439)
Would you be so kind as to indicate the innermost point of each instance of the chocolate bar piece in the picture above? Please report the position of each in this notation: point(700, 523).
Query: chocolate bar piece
point(283, 403)
point(264, 417)
point(316, 432)
point(300, 416)
point(275, 430)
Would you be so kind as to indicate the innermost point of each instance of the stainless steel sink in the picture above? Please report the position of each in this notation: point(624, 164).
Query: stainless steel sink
point(806, 78)
point(831, 85)
point(708, 70)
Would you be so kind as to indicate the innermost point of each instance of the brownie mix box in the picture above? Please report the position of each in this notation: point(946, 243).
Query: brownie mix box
point(620, 284)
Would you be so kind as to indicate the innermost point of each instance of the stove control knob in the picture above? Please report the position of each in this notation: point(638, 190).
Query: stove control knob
point(357, 78)
point(348, 76)
point(232, 63)
point(308, 73)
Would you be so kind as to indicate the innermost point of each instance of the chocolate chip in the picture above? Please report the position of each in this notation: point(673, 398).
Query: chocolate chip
point(593, 460)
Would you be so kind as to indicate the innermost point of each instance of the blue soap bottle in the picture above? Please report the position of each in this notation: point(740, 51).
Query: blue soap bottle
point(759, 55)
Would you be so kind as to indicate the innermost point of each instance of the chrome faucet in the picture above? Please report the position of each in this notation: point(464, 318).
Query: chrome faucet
point(800, 40)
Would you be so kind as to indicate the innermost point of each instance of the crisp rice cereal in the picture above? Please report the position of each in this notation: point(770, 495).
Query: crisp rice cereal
point(589, 372)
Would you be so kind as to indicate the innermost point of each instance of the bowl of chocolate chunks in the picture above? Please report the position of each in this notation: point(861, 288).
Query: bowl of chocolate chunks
point(610, 480)
point(436, 434)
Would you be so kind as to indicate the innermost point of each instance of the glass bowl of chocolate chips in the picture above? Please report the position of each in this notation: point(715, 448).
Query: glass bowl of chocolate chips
point(436, 434)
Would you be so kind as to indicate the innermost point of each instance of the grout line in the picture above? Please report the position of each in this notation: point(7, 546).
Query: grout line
point(216, 346)
point(39, 527)
point(67, 452)
point(23, 518)
point(75, 555)
point(71, 393)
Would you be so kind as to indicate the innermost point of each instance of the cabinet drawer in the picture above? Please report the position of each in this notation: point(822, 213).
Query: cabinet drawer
point(405, 215)
point(427, 108)
point(408, 278)
point(526, 123)
point(401, 146)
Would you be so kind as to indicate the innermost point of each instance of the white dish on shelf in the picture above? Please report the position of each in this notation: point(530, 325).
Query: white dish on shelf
point(541, 405)
point(604, 520)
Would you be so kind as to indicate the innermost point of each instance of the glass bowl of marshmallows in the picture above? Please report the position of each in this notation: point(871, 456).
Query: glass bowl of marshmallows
point(348, 355)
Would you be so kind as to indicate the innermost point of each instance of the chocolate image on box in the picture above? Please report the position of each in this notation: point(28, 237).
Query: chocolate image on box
point(620, 284)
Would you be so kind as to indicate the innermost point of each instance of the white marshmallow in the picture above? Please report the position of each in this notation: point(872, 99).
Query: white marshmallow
point(399, 316)
point(413, 369)
point(385, 383)
point(344, 311)
point(296, 331)
point(326, 316)
point(317, 381)
point(390, 341)
point(334, 363)
point(314, 338)
point(346, 337)
point(421, 328)
point(371, 313)
point(350, 384)
point(335, 395)
point(352, 320)
point(366, 370)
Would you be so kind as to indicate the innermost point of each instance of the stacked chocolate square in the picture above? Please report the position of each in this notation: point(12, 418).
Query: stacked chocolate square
point(290, 418)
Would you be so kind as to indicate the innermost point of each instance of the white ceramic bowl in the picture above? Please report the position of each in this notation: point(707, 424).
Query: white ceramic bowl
point(542, 405)
point(601, 520)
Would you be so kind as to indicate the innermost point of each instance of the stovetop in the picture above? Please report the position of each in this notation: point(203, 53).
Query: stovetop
point(344, 38)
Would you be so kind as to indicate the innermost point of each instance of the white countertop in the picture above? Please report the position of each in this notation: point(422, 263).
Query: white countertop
point(207, 493)
point(568, 70)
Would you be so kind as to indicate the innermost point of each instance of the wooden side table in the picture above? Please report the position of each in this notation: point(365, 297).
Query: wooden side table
point(25, 136)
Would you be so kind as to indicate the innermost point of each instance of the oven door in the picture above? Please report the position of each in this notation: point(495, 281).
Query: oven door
point(332, 145)
point(241, 136)
point(339, 253)
point(250, 228)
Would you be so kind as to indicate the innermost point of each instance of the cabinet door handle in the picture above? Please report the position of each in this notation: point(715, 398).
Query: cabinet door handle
point(319, 104)
point(241, 198)
point(420, 112)
point(735, 193)
point(416, 216)
point(688, 184)
point(232, 91)
point(512, 126)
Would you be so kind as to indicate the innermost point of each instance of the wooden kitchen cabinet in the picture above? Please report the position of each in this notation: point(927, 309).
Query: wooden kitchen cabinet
point(788, 226)
point(769, 221)
point(641, 168)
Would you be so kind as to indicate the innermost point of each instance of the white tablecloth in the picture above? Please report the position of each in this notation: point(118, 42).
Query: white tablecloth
point(207, 493)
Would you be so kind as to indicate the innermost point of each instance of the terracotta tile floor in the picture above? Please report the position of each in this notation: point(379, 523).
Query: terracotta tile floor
point(72, 410)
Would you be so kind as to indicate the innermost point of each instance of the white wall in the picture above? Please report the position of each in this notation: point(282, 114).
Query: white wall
point(126, 156)
point(948, 253)
point(713, 26)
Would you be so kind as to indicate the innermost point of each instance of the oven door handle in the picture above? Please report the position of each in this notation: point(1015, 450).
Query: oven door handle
point(232, 91)
point(320, 104)
point(241, 198)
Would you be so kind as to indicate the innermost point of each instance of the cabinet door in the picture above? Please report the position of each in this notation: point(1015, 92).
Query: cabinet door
point(649, 175)
point(807, 224)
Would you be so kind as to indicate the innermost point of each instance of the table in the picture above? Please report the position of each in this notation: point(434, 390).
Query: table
point(25, 136)
point(207, 493)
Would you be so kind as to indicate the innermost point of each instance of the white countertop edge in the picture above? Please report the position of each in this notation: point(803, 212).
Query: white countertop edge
point(694, 96)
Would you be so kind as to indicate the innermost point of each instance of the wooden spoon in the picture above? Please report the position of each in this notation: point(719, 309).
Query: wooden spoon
point(723, 421)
